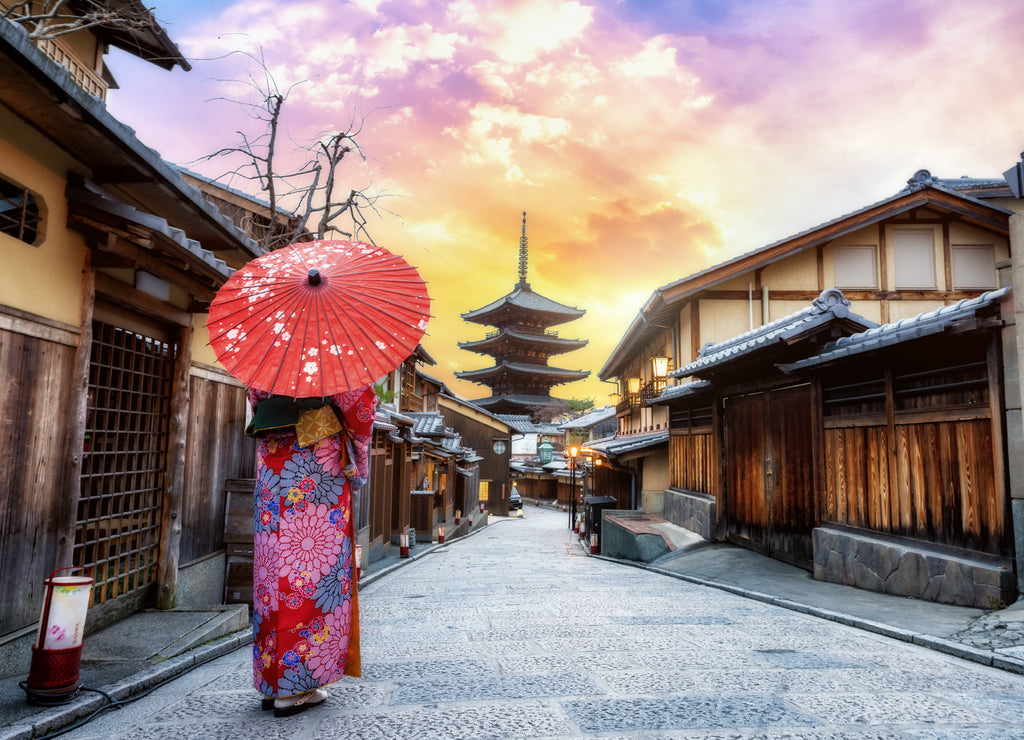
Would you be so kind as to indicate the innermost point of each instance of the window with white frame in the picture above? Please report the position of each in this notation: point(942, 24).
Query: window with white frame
point(914, 258)
point(974, 266)
point(855, 267)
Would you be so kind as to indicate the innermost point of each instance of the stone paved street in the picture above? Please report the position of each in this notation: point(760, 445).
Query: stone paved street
point(515, 633)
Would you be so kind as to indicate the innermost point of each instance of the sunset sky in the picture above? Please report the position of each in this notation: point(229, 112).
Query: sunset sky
point(645, 139)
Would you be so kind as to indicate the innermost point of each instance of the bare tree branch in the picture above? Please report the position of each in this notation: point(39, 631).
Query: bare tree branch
point(311, 186)
point(48, 19)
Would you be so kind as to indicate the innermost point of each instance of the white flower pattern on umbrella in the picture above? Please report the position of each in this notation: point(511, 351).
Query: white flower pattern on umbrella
point(367, 309)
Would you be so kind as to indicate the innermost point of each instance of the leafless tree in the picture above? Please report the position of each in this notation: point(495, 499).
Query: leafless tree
point(48, 19)
point(306, 199)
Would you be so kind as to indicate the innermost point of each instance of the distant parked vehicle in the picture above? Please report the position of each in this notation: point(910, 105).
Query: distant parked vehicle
point(515, 501)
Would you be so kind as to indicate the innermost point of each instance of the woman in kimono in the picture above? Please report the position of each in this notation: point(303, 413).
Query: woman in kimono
point(312, 457)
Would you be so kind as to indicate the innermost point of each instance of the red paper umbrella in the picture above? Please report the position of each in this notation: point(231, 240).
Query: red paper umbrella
point(318, 318)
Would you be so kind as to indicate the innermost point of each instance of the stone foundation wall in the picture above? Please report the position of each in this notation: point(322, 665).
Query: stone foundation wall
point(692, 511)
point(904, 569)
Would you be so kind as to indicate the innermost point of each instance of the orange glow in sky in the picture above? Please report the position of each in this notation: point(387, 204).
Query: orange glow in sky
point(646, 140)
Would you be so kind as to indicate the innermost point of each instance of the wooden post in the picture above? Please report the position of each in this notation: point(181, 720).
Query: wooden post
point(78, 407)
point(174, 474)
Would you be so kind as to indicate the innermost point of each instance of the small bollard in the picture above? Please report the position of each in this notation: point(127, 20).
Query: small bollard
point(458, 515)
point(440, 534)
point(403, 545)
point(593, 543)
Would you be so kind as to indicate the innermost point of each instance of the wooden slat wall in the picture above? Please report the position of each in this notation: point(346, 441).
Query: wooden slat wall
point(693, 462)
point(35, 403)
point(377, 494)
point(216, 450)
point(942, 485)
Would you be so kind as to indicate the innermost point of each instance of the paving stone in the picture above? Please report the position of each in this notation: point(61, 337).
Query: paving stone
point(524, 720)
point(684, 712)
point(475, 688)
point(886, 709)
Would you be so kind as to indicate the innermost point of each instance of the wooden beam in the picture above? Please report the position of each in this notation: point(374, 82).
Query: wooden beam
point(694, 330)
point(125, 295)
point(78, 397)
point(174, 476)
point(947, 257)
point(141, 252)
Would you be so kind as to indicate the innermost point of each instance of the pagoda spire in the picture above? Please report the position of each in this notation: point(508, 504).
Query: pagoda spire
point(523, 249)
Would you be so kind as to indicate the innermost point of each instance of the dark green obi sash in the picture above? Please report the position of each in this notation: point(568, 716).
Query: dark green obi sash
point(281, 414)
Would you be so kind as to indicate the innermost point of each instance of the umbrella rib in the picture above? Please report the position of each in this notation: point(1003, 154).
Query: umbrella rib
point(344, 328)
point(284, 289)
point(294, 306)
point(287, 295)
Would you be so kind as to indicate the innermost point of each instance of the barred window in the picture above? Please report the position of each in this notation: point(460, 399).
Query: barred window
point(19, 212)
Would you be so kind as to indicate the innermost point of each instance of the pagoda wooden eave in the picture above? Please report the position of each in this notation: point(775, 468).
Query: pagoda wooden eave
point(505, 340)
point(524, 370)
point(522, 303)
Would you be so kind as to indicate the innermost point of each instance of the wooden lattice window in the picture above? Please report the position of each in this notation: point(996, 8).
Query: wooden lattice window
point(862, 397)
point(691, 418)
point(19, 212)
point(118, 525)
point(943, 388)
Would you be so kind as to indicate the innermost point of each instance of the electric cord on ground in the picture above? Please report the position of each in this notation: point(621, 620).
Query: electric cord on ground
point(118, 703)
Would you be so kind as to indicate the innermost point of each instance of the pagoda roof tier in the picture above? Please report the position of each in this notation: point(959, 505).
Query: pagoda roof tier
point(522, 369)
point(509, 340)
point(523, 302)
point(513, 402)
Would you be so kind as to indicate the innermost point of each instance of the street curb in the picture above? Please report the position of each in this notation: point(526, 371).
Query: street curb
point(90, 701)
point(938, 644)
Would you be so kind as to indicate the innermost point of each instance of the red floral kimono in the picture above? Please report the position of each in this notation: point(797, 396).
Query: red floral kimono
point(305, 608)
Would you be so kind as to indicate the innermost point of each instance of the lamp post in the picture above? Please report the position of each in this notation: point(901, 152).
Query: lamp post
point(573, 454)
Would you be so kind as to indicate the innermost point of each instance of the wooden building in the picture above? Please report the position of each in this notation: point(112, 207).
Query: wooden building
point(119, 430)
point(932, 245)
point(483, 476)
point(874, 456)
point(520, 378)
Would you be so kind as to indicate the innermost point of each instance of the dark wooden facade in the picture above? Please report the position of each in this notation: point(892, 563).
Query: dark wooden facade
point(914, 447)
point(906, 441)
point(480, 432)
point(37, 360)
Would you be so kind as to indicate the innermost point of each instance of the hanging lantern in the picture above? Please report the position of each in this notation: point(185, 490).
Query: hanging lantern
point(57, 652)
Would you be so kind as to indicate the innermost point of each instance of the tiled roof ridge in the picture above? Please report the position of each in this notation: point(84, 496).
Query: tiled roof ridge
point(904, 328)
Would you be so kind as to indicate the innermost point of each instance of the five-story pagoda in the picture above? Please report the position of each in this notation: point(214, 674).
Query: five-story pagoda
point(520, 379)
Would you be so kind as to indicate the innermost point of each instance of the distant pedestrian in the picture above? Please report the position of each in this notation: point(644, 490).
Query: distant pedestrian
point(312, 457)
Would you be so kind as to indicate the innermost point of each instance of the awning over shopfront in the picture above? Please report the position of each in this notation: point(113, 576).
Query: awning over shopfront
point(623, 449)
